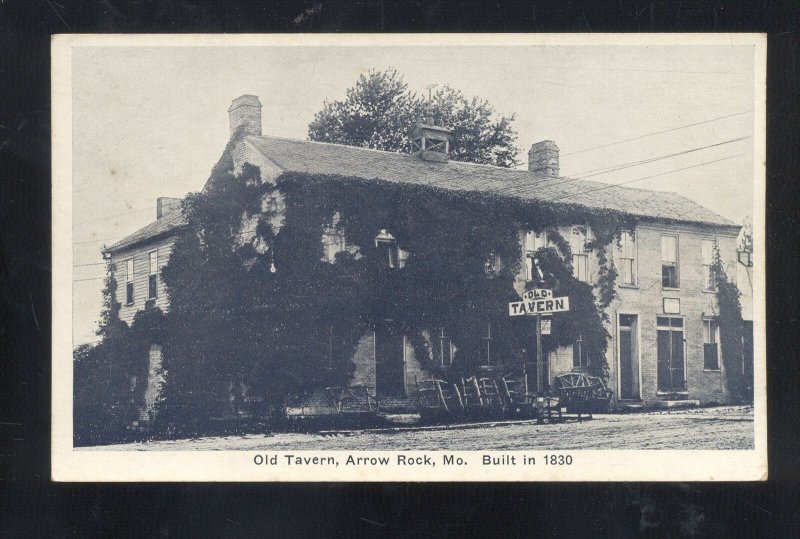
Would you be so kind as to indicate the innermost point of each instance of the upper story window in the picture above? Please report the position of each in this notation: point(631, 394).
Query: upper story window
point(580, 259)
point(627, 259)
point(333, 242)
point(669, 262)
point(710, 345)
point(533, 242)
point(707, 248)
point(388, 249)
point(129, 281)
point(152, 274)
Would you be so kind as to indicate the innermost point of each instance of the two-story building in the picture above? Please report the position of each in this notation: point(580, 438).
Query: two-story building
point(664, 335)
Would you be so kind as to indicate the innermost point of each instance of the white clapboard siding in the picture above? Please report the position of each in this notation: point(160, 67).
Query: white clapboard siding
point(140, 276)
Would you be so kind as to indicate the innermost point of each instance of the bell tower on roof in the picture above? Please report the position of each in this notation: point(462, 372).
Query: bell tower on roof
point(430, 142)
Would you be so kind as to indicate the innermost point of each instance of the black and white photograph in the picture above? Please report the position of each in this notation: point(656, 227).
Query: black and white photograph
point(409, 257)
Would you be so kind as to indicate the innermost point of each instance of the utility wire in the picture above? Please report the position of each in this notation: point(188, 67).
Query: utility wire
point(658, 133)
point(550, 183)
point(599, 171)
point(642, 178)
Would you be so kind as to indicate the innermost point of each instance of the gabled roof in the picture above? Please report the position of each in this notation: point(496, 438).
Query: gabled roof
point(166, 225)
point(322, 158)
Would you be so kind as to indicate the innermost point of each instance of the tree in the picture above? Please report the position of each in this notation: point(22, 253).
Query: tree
point(380, 112)
point(110, 377)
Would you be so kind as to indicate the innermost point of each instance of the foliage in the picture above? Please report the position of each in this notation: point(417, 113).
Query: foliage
point(731, 330)
point(445, 284)
point(109, 379)
point(380, 112)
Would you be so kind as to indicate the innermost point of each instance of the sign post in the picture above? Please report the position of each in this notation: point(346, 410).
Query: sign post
point(539, 366)
point(535, 303)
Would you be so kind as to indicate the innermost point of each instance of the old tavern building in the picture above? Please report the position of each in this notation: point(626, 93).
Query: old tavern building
point(664, 341)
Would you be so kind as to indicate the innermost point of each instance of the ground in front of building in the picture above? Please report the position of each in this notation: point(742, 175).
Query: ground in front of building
point(723, 428)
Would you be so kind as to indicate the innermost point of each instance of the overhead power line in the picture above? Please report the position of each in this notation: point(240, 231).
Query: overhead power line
point(657, 133)
point(610, 186)
point(599, 171)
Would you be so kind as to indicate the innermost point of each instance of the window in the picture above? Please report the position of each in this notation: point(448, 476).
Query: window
point(152, 275)
point(627, 259)
point(388, 250)
point(487, 340)
point(580, 353)
point(129, 281)
point(707, 248)
point(710, 345)
point(445, 349)
point(333, 242)
point(580, 260)
point(533, 242)
point(669, 261)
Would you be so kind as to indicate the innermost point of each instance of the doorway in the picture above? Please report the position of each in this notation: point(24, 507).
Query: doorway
point(390, 375)
point(671, 357)
point(629, 388)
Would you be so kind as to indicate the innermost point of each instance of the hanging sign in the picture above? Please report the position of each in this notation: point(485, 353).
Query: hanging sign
point(537, 293)
point(539, 306)
point(546, 323)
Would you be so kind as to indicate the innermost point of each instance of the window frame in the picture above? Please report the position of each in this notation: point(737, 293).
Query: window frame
point(539, 242)
point(442, 338)
point(487, 339)
point(386, 243)
point(676, 263)
point(579, 254)
point(583, 353)
point(712, 324)
point(708, 279)
point(152, 276)
point(630, 242)
point(129, 292)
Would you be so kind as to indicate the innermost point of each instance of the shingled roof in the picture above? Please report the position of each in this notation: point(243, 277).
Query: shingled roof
point(334, 159)
point(166, 225)
point(322, 158)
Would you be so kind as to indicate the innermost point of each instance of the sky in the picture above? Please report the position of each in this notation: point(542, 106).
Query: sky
point(152, 121)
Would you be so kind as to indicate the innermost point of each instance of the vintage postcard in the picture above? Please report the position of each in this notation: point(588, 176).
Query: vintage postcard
point(409, 257)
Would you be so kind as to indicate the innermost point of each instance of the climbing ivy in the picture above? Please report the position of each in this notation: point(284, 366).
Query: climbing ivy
point(731, 329)
point(258, 312)
point(110, 377)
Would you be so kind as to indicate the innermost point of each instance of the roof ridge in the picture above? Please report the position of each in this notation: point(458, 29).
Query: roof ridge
point(540, 177)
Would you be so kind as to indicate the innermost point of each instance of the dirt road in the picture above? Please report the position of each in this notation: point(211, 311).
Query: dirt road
point(708, 428)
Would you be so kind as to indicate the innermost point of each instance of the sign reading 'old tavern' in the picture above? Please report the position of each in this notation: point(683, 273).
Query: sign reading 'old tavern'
point(538, 301)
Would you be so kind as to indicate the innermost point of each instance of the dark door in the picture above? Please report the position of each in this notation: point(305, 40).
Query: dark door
point(671, 374)
point(628, 357)
point(389, 363)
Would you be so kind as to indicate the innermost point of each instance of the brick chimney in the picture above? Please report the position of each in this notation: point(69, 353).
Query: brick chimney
point(543, 158)
point(245, 114)
point(166, 205)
